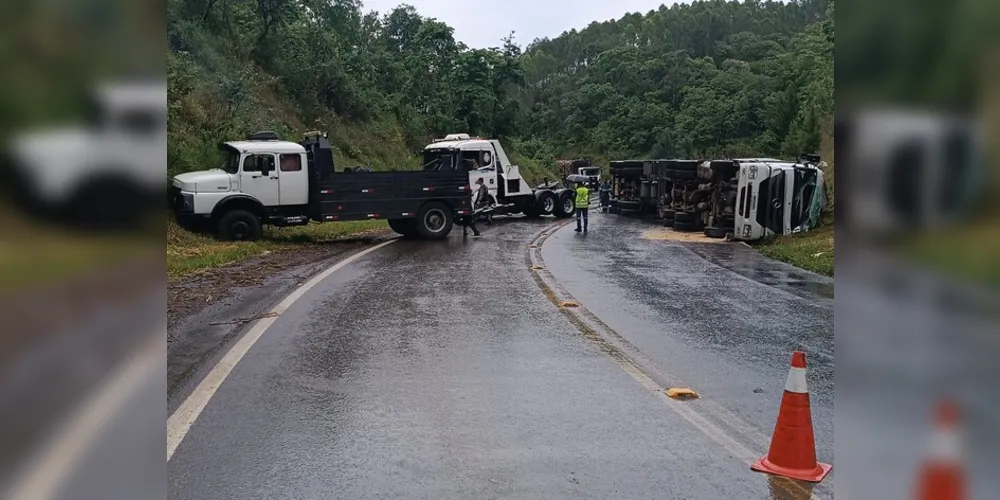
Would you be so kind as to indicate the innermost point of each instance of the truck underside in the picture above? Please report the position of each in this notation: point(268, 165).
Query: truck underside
point(693, 195)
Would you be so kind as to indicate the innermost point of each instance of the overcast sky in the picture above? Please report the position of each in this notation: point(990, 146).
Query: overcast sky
point(482, 23)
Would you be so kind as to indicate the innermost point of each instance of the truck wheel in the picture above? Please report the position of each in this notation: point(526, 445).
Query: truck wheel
point(566, 206)
point(683, 226)
point(545, 203)
point(239, 225)
point(716, 232)
point(434, 221)
point(629, 205)
point(405, 227)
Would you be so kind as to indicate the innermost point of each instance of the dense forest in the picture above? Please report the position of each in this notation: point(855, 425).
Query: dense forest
point(708, 78)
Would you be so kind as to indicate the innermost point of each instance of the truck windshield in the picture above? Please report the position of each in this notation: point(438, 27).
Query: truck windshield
point(230, 161)
point(438, 159)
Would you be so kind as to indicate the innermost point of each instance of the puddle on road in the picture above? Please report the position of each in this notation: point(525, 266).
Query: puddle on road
point(668, 234)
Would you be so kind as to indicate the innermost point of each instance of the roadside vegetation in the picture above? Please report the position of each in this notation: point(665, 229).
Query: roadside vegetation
point(34, 254)
point(692, 80)
point(812, 251)
point(189, 253)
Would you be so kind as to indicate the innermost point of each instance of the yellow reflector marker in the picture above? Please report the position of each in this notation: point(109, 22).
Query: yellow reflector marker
point(681, 393)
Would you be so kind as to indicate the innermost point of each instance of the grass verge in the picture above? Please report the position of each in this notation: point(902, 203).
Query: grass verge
point(189, 253)
point(34, 254)
point(968, 251)
point(812, 251)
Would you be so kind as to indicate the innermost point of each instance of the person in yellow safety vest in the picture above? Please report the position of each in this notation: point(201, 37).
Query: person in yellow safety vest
point(582, 204)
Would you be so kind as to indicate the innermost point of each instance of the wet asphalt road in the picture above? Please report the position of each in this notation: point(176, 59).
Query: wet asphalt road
point(716, 317)
point(440, 370)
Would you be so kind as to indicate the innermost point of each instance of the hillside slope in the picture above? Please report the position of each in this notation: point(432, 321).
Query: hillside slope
point(706, 78)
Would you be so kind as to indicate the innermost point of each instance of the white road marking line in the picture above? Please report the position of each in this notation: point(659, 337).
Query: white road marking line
point(184, 417)
point(49, 469)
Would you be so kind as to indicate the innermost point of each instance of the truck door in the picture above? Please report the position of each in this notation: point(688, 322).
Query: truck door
point(293, 180)
point(473, 160)
point(259, 178)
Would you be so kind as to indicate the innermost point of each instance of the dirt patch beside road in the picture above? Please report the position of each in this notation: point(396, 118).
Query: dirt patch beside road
point(668, 234)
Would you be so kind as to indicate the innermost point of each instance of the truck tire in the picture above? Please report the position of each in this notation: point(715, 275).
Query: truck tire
point(239, 225)
point(716, 232)
point(566, 207)
point(545, 203)
point(628, 205)
point(405, 227)
point(434, 221)
point(683, 226)
point(684, 217)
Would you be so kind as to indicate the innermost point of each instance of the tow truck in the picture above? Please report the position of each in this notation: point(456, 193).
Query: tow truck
point(509, 193)
point(266, 180)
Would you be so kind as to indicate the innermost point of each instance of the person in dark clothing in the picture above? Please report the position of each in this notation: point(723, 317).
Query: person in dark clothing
point(605, 193)
point(468, 222)
point(482, 202)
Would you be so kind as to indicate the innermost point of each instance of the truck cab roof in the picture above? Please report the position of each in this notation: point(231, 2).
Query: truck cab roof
point(280, 147)
point(460, 142)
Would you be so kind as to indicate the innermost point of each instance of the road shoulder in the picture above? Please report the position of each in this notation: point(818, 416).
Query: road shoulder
point(208, 310)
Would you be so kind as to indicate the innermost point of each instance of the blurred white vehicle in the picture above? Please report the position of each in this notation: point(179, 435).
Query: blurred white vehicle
point(907, 170)
point(106, 173)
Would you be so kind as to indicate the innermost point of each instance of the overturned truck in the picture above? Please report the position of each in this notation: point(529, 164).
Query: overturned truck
point(746, 199)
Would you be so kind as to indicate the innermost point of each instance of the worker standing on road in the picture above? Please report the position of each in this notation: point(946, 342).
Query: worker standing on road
point(582, 204)
point(605, 193)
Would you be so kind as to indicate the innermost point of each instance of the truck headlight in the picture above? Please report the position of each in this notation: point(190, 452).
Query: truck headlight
point(187, 202)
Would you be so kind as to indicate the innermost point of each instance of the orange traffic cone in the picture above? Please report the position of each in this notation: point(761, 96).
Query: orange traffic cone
point(941, 477)
point(793, 447)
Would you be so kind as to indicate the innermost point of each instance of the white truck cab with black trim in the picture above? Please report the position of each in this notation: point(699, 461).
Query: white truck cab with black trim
point(102, 173)
point(777, 198)
point(486, 159)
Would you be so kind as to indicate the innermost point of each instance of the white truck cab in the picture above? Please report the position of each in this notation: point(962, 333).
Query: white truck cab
point(776, 197)
point(270, 171)
point(486, 159)
point(106, 172)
